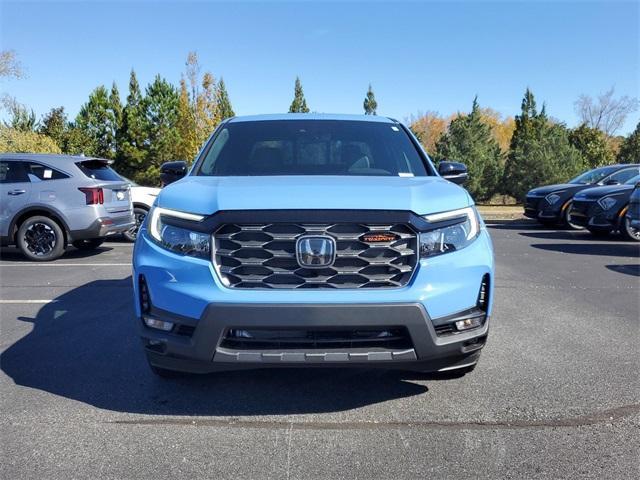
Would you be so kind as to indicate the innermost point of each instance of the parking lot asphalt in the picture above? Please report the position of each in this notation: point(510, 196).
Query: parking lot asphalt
point(556, 394)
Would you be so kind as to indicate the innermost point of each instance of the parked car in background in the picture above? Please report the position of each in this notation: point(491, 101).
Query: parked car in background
point(50, 201)
point(551, 204)
point(633, 213)
point(316, 241)
point(142, 199)
point(603, 210)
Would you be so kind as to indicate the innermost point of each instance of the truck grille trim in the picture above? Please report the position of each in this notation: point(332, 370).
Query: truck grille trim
point(264, 256)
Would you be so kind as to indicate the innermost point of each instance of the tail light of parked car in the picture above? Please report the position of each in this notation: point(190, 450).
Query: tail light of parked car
point(94, 195)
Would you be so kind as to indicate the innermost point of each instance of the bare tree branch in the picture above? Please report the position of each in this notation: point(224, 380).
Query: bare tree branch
point(606, 113)
point(10, 67)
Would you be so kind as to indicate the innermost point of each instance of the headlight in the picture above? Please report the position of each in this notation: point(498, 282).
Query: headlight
point(607, 202)
point(177, 239)
point(452, 237)
point(552, 198)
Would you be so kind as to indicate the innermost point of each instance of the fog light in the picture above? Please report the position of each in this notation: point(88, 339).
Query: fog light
point(468, 323)
point(157, 324)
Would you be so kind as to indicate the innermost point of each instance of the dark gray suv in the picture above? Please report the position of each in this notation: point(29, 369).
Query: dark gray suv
point(49, 201)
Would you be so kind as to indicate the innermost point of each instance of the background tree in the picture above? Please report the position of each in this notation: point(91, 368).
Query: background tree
point(132, 153)
point(469, 140)
point(161, 105)
point(225, 110)
point(299, 104)
point(606, 113)
point(540, 152)
point(501, 127)
point(10, 67)
point(96, 119)
point(22, 118)
point(54, 125)
point(428, 128)
point(630, 148)
point(206, 107)
point(370, 105)
point(188, 146)
point(12, 140)
point(592, 144)
point(115, 106)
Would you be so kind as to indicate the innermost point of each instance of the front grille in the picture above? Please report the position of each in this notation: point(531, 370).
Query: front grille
point(264, 256)
point(532, 203)
point(293, 339)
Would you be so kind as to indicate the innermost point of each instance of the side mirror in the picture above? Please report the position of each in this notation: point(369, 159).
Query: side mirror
point(612, 182)
point(455, 172)
point(172, 171)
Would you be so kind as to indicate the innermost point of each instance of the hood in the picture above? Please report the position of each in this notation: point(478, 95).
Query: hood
point(207, 195)
point(595, 193)
point(546, 190)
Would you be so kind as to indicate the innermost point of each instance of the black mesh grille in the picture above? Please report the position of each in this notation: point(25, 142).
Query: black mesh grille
point(264, 255)
point(290, 339)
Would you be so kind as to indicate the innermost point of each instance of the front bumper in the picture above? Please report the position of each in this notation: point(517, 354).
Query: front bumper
point(187, 291)
point(538, 208)
point(587, 213)
point(202, 351)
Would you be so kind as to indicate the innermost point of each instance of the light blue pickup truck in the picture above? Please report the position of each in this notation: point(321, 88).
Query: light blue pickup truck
point(313, 240)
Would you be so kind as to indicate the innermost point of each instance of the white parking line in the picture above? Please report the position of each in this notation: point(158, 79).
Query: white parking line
point(36, 264)
point(19, 302)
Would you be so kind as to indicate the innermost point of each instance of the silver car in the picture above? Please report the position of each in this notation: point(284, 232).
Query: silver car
point(50, 201)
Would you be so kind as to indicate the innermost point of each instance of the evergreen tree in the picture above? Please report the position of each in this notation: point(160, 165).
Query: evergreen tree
point(592, 145)
point(132, 154)
point(54, 125)
point(96, 120)
point(630, 148)
point(188, 146)
point(161, 104)
point(299, 104)
point(370, 104)
point(22, 119)
point(115, 106)
point(540, 152)
point(225, 110)
point(469, 140)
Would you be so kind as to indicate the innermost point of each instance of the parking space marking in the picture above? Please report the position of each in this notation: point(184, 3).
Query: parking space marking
point(20, 302)
point(32, 264)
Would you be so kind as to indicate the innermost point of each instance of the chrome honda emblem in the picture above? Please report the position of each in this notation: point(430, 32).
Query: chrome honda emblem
point(315, 252)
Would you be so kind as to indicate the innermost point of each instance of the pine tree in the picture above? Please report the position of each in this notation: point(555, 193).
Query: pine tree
point(188, 146)
point(115, 106)
point(630, 148)
point(592, 144)
point(132, 154)
point(299, 104)
point(96, 120)
point(54, 125)
point(225, 110)
point(370, 104)
point(162, 140)
point(540, 152)
point(469, 140)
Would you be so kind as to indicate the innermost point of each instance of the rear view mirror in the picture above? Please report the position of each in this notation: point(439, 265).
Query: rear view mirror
point(612, 182)
point(172, 171)
point(455, 172)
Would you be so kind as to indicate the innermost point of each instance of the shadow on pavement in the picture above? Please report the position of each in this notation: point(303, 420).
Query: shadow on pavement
point(626, 269)
point(11, 254)
point(564, 235)
point(604, 249)
point(84, 346)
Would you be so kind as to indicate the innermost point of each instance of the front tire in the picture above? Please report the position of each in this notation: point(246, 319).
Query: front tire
point(140, 214)
point(628, 231)
point(90, 244)
point(40, 239)
point(566, 219)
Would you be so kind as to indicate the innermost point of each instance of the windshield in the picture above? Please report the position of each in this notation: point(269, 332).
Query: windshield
point(633, 180)
point(312, 147)
point(593, 176)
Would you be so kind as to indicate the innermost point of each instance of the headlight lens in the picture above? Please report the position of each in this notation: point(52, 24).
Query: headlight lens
point(607, 202)
point(552, 198)
point(453, 237)
point(177, 239)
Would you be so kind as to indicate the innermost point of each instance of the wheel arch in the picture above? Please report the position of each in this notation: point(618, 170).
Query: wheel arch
point(32, 211)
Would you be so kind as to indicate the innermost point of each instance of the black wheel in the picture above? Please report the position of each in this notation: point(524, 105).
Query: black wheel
point(40, 239)
point(90, 244)
point(628, 231)
point(140, 214)
point(566, 219)
point(599, 232)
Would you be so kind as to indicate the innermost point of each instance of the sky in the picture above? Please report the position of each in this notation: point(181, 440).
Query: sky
point(418, 56)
